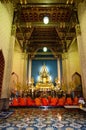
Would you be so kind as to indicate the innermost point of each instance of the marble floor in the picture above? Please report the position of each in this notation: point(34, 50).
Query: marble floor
point(44, 119)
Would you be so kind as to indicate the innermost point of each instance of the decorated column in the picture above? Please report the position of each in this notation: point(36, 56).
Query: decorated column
point(81, 39)
point(6, 90)
point(59, 70)
point(29, 74)
point(25, 70)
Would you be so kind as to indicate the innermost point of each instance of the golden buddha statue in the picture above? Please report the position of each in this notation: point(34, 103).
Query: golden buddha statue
point(44, 81)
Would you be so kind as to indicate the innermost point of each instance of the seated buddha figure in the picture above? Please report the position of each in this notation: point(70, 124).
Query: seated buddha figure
point(44, 82)
point(44, 76)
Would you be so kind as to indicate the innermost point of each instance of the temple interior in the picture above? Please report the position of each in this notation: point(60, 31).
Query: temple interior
point(42, 64)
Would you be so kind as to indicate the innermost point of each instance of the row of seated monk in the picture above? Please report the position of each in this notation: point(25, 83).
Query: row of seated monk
point(44, 101)
point(39, 101)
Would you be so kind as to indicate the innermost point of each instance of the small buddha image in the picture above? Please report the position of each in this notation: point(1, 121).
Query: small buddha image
point(32, 80)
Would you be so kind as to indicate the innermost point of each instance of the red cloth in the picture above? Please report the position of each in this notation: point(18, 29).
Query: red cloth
point(30, 102)
point(61, 101)
point(53, 101)
point(69, 101)
point(37, 101)
point(45, 102)
point(22, 102)
point(49, 99)
point(15, 102)
point(76, 101)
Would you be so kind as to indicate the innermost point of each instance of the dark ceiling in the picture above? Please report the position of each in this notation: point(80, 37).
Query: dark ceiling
point(32, 34)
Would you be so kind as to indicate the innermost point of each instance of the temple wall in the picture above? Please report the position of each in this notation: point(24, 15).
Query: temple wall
point(73, 60)
point(81, 38)
point(6, 17)
point(71, 64)
point(19, 64)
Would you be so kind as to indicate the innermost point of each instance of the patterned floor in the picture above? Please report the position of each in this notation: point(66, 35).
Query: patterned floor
point(45, 119)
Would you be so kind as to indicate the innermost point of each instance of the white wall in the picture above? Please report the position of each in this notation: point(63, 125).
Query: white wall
point(6, 17)
point(81, 38)
point(20, 64)
point(71, 63)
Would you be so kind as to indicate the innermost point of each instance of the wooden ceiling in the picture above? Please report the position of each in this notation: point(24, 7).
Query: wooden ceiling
point(32, 34)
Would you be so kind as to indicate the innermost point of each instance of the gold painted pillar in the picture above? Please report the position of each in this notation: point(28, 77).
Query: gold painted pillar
point(30, 67)
point(25, 70)
point(65, 70)
point(82, 54)
point(59, 69)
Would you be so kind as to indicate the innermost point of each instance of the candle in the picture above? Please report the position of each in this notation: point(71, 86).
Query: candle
point(59, 117)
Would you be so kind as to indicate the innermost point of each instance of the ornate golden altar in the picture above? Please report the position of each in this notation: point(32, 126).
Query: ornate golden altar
point(44, 86)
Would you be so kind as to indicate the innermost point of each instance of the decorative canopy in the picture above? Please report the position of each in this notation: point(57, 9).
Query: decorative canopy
point(32, 34)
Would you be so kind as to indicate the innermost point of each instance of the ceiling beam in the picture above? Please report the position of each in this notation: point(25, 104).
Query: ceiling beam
point(44, 40)
point(41, 24)
point(52, 4)
point(45, 44)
